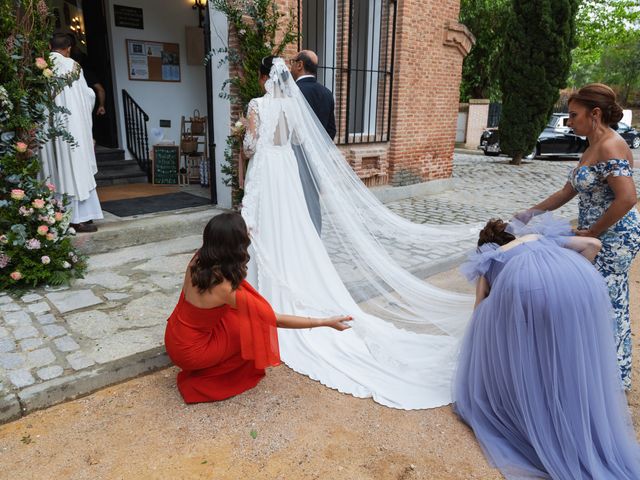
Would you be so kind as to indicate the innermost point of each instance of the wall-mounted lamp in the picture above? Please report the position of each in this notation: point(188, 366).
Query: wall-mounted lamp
point(200, 5)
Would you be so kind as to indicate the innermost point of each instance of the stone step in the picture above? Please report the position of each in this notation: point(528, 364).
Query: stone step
point(106, 154)
point(156, 227)
point(117, 164)
point(128, 173)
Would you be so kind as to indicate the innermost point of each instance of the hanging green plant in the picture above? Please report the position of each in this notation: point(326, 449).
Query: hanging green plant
point(35, 243)
point(256, 25)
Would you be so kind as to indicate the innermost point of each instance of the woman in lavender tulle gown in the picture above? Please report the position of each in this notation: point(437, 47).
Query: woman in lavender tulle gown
point(537, 377)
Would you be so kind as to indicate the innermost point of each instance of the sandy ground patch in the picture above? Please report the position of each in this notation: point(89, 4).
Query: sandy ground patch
point(141, 430)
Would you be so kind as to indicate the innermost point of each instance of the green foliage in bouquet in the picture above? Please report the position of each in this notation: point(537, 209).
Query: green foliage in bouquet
point(256, 24)
point(35, 247)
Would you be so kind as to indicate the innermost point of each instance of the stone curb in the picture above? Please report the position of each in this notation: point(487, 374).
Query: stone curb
point(52, 392)
point(139, 231)
point(9, 408)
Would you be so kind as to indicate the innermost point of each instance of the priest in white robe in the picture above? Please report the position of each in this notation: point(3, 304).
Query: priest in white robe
point(72, 168)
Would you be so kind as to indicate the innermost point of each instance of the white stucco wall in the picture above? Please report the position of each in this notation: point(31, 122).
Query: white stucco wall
point(164, 21)
point(221, 107)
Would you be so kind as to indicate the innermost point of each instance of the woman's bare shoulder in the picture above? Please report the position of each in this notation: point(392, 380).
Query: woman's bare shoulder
point(614, 147)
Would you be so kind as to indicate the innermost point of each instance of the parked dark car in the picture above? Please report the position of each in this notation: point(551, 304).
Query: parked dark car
point(556, 140)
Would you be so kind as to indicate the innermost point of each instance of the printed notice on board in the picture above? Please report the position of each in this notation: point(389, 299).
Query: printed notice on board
point(153, 49)
point(138, 67)
point(170, 66)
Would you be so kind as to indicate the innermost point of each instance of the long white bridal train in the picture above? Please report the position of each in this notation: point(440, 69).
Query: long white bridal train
point(367, 263)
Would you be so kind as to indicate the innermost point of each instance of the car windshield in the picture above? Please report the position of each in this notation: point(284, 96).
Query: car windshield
point(555, 121)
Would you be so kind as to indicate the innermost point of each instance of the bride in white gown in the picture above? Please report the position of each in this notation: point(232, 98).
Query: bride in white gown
point(402, 347)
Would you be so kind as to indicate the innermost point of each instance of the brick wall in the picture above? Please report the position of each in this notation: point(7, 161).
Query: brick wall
point(430, 47)
point(426, 90)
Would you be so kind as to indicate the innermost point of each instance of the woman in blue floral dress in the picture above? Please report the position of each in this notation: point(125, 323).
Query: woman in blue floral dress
point(607, 198)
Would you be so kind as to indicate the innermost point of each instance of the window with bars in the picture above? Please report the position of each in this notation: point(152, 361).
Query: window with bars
point(355, 42)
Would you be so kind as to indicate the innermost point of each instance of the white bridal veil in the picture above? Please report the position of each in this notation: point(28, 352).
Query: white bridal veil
point(368, 262)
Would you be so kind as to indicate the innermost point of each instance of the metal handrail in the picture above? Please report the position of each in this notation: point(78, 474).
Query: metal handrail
point(135, 120)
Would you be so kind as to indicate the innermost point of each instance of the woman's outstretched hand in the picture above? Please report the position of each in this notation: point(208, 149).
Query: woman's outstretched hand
point(525, 215)
point(339, 322)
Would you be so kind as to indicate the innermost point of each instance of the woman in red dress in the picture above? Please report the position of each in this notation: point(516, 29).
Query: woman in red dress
point(222, 333)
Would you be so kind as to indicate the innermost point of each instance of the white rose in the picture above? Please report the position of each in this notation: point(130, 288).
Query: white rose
point(238, 124)
point(66, 265)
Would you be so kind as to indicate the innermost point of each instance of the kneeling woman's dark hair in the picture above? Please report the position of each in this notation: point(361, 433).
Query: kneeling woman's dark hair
point(223, 255)
point(494, 232)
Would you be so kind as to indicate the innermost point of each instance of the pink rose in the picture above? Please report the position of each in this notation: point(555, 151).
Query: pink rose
point(51, 187)
point(21, 147)
point(16, 275)
point(38, 203)
point(42, 230)
point(51, 236)
point(58, 216)
point(41, 63)
point(45, 260)
point(17, 194)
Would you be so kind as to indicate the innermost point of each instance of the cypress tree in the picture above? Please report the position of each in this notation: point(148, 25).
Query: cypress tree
point(534, 67)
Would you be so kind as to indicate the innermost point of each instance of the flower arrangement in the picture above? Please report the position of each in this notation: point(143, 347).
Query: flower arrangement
point(257, 25)
point(35, 243)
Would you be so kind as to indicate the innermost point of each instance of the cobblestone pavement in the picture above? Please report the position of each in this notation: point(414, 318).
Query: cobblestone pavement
point(55, 344)
point(488, 187)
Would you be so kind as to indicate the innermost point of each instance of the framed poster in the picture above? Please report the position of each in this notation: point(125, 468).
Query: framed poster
point(166, 163)
point(153, 61)
point(128, 17)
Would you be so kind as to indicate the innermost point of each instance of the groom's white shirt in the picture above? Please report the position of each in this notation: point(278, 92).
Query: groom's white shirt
point(304, 76)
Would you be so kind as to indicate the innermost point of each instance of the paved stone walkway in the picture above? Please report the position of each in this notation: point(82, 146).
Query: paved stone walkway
point(109, 326)
point(488, 187)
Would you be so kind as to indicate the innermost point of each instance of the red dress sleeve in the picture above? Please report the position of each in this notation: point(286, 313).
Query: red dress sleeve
point(258, 330)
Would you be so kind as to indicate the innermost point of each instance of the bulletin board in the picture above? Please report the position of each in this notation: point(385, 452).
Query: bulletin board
point(153, 61)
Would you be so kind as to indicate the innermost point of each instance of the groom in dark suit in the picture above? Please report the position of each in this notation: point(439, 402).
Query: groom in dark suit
point(304, 67)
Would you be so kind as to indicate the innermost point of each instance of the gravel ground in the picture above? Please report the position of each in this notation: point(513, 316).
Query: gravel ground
point(142, 430)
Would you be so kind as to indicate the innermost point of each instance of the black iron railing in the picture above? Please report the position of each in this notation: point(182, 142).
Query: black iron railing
point(355, 43)
point(135, 121)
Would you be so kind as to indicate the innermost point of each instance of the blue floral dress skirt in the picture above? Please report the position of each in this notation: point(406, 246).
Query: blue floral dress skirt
point(537, 376)
point(620, 244)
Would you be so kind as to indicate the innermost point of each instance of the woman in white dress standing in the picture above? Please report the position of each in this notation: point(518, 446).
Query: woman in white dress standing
point(369, 262)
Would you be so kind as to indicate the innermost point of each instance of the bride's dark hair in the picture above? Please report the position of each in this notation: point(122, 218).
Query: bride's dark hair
point(224, 253)
point(495, 232)
point(265, 67)
point(266, 64)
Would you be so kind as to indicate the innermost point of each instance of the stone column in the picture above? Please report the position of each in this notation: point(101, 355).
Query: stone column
point(476, 121)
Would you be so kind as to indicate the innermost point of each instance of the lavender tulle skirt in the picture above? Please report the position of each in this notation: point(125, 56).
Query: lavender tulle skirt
point(537, 378)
